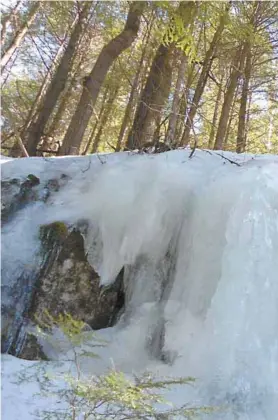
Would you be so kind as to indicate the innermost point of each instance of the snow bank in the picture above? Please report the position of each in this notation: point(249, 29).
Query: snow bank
point(217, 216)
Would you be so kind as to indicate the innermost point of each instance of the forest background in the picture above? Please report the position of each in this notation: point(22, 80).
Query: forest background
point(103, 76)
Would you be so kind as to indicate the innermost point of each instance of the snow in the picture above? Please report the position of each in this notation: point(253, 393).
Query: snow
point(216, 295)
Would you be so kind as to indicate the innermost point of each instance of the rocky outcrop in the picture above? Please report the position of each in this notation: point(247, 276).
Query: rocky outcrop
point(65, 283)
point(61, 281)
point(69, 284)
point(16, 194)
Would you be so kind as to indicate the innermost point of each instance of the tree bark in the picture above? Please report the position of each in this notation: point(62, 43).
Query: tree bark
point(228, 99)
point(134, 90)
point(57, 85)
point(215, 116)
point(146, 123)
point(104, 119)
point(241, 133)
point(98, 121)
point(94, 81)
point(184, 104)
point(231, 117)
point(16, 150)
point(19, 36)
point(43, 87)
point(52, 127)
point(203, 78)
point(63, 101)
point(171, 131)
point(153, 98)
point(248, 118)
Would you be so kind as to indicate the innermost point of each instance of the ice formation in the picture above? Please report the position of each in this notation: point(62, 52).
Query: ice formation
point(199, 242)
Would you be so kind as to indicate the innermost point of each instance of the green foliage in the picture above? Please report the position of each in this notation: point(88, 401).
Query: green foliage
point(180, 31)
point(112, 395)
point(189, 26)
point(139, 398)
point(74, 331)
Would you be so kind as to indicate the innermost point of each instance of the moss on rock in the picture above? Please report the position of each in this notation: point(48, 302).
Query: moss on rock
point(33, 180)
point(53, 232)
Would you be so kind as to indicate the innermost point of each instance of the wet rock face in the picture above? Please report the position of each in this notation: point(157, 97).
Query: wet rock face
point(71, 285)
point(17, 193)
point(65, 283)
point(31, 349)
point(60, 281)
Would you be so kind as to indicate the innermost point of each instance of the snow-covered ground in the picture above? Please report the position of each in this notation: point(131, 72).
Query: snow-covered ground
point(218, 214)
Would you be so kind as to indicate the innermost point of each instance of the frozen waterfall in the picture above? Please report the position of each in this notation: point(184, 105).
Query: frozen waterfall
point(199, 242)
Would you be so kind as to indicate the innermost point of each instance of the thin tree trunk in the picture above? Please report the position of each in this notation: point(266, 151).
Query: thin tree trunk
point(241, 133)
point(185, 96)
point(94, 81)
point(19, 36)
point(65, 95)
point(153, 98)
point(91, 138)
point(134, 90)
point(98, 121)
point(215, 116)
point(231, 117)
point(57, 85)
point(44, 86)
point(16, 151)
point(7, 19)
point(203, 79)
point(248, 118)
point(142, 82)
point(104, 119)
point(183, 105)
point(228, 100)
point(170, 135)
point(128, 108)
point(63, 101)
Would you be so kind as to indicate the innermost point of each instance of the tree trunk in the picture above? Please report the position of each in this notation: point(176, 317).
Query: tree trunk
point(183, 104)
point(170, 136)
point(128, 108)
point(241, 133)
point(98, 121)
point(231, 117)
point(185, 96)
point(203, 78)
point(7, 19)
point(64, 98)
point(16, 150)
point(153, 98)
point(248, 118)
point(94, 81)
point(215, 116)
point(57, 85)
point(134, 90)
point(228, 100)
point(19, 36)
point(156, 91)
point(52, 127)
point(104, 119)
point(43, 88)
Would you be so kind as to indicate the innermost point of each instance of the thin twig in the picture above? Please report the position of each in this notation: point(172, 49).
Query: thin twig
point(101, 161)
point(229, 160)
point(85, 170)
point(222, 156)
